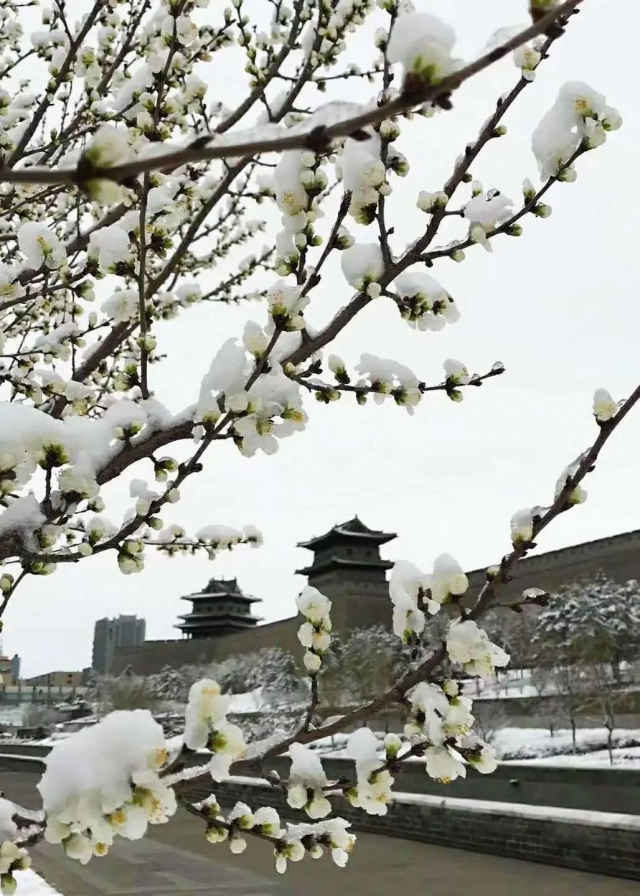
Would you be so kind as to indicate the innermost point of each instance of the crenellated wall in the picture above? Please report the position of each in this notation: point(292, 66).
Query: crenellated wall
point(618, 556)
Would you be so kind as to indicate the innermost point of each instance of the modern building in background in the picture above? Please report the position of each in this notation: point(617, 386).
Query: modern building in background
point(124, 631)
point(10, 669)
point(57, 679)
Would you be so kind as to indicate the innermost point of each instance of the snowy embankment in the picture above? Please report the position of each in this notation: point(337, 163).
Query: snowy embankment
point(537, 745)
point(31, 884)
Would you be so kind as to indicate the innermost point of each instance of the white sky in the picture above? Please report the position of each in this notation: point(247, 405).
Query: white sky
point(560, 307)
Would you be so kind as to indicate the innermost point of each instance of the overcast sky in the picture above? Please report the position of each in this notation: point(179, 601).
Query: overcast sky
point(560, 307)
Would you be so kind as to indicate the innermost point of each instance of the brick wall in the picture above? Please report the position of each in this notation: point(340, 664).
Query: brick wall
point(618, 556)
point(612, 790)
point(601, 843)
point(591, 789)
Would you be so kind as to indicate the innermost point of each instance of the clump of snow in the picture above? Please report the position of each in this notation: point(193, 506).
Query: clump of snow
point(425, 304)
point(578, 114)
point(23, 517)
point(362, 264)
point(31, 884)
point(306, 782)
point(103, 781)
point(423, 44)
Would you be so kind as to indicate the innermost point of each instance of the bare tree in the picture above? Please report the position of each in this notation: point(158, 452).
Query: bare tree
point(605, 693)
point(572, 686)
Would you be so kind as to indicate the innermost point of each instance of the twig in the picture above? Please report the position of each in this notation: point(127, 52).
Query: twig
point(142, 313)
point(314, 139)
point(414, 253)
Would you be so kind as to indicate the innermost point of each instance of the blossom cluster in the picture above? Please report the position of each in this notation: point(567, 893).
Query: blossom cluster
point(12, 856)
point(413, 593)
point(372, 790)
point(256, 409)
point(440, 725)
point(579, 117)
point(297, 181)
point(315, 633)
point(290, 843)
point(105, 782)
point(423, 303)
point(206, 727)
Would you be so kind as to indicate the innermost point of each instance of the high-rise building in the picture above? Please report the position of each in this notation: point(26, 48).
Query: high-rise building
point(125, 631)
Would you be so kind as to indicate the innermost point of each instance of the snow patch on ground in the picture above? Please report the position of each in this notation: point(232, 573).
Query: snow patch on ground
point(31, 884)
point(519, 744)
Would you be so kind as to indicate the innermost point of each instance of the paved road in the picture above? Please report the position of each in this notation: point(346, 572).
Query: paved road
point(177, 860)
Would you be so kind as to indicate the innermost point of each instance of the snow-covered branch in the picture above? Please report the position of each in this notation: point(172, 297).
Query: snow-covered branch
point(125, 182)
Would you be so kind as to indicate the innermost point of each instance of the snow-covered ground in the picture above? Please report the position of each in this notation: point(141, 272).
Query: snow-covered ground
point(524, 744)
point(31, 884)
point(510, 683)
point(539, 746)
point(11, 714)
point(623, 757)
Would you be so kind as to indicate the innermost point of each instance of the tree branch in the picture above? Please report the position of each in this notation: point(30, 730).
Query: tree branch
point(320, 137)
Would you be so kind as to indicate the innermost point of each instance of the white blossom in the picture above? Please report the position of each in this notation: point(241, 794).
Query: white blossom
point(470, 646)
point(110, 245)
point(313, 605)
point(306, 782)
point(373, 790)
point(206, 707)
point(41, 246)
point(362, 264)
point(444, 764)
point(578, 495)
point(447, 579)
point(108, 147)
point(456, 372)
point(422, 44)
point(522, 526)
point(578, 113)
point(604, 407)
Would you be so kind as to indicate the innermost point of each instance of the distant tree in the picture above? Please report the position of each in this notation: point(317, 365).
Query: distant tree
point(172, 685)
point(490, 716)
point(549, 708)
point(604, 699)
point(573, 686)
point(125, 691)
point(596, 621)
point(277, 673)
point(515, 633)
point(368, 661)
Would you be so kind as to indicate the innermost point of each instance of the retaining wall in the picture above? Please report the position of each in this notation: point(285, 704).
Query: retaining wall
point(591, 789)
point(599, 842)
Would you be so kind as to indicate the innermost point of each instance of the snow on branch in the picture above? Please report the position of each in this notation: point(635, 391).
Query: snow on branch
point(423, 84)
point(130, 194)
